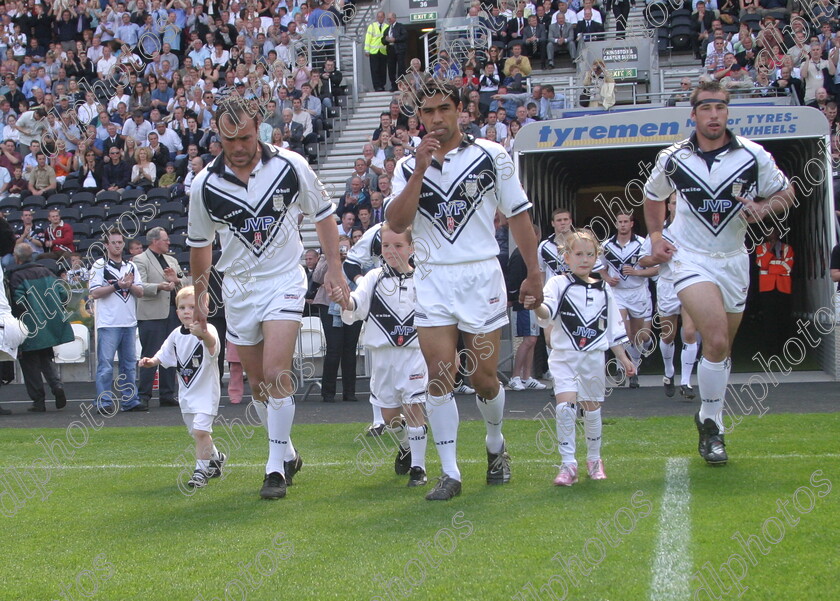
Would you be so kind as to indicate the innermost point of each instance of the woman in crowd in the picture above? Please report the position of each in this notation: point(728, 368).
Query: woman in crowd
point(144, 172)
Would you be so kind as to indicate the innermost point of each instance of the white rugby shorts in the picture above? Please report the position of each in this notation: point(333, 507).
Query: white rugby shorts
point(636, 301)
point(580, 372)
point(470, 295)
point(731, 274)
point(250, 303)
point(667, 301)
point(397, 377)
point(198, 421)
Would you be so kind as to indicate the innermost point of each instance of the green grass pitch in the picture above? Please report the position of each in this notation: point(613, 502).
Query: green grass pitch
point(115, 525)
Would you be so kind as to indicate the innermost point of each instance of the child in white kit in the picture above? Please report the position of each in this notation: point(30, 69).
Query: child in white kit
point(585, 322)
point(385, 298)
point(194, 351)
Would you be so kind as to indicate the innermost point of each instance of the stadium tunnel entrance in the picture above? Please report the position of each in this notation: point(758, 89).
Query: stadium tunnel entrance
point(596, 165)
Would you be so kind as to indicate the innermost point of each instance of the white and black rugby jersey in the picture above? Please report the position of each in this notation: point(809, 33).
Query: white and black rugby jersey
point(196, 367)
point(385, 298)
point(549, 259)
point(647, 249)
point(365, 254)
point(257, 221)
point(585, 315)
point(117, 310)
point(615, 257)
point(458, 201)
point(707, 218)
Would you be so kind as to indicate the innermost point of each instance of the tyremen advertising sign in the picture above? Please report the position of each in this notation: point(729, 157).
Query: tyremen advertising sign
point(664, 126)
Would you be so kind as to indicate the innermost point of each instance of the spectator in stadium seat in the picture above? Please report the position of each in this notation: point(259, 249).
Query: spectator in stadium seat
point(518, 60)
point(561, 34)
point(362, 170)
point(385, 124)
point(160, 154)
point(701, 26)
point(812, 70)
point(716, 60)
point(137, 127)
point(144, 171)
point(116, 174)
point(292, 132)
point(89, 173)
point(196, 164)
point(32, 125)
point(42, 179)
point(9, 156)
point(353, 198)
point(535, 37)
point(377, 213)
point(57, 236)
point(467, 126)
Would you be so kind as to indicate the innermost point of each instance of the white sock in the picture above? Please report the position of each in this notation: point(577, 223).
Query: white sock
point(399, 433)
point(262, 412)
point(565, 417)
point(592, 430)
point(290, 451)
point(417, 443)
point(214, 453)
point(648, 346)
point(492, 410)
point(667, 357)
point(280, 416)
point(442, 413)
point(711, 381)
point(377, 415)
point(688, 357)
point(202, 465)
point(635, 355)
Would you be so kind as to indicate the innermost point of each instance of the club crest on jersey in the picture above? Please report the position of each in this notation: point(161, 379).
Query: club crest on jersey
point(189, 368)
point(471, 188)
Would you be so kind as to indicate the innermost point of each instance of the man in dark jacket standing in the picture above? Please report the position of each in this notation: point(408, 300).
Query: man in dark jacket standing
point(38, 299)
point(395, 37)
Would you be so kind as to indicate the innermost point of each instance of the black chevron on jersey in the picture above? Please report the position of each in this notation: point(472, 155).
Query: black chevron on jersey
point(400, 332)
point(582, 332)
point(552, 257)
point(256, 227)
point(111, 274)
point(188, 370)
point(618, 261)
point(450, 210)
point(715, 208)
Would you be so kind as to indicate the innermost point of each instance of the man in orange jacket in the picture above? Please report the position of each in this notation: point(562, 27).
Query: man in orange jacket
point(775, 264)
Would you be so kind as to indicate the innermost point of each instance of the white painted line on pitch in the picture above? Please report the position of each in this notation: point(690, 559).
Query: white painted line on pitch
point(465, 461)
point(672, 559)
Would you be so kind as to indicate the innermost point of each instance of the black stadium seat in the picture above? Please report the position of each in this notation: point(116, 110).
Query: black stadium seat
point(58, 201)
point(108, 197)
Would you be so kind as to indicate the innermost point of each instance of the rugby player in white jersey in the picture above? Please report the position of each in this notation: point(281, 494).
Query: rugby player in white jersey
point(629, 281)
point(723, 181)
point(449, 191)
point(252, 195)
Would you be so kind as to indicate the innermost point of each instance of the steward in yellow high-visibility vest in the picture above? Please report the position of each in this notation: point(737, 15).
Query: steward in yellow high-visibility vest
point(377, 51)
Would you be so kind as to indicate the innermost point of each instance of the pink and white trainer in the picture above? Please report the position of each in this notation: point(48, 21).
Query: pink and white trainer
point(568, 475)
point(596, 469)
